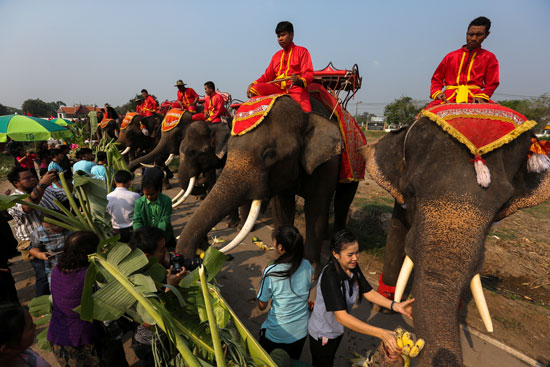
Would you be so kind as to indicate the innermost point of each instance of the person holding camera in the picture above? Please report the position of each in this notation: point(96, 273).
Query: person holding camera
point(152, 242)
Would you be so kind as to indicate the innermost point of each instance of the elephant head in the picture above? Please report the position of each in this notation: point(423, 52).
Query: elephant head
point(197, 156)
point(111, 130)
point(448, 216)
point(270, 159)
point(168, 143)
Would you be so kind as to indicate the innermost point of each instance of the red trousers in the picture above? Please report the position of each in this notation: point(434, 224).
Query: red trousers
point(298, 94)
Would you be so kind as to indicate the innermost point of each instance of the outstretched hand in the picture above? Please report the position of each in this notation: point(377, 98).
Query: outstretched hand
point(404, 307)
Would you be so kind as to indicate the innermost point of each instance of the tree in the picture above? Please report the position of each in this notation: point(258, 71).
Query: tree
point(537, 109)
point(4, 110)
point(402, 111)
point(364, 118)
point(39, 108)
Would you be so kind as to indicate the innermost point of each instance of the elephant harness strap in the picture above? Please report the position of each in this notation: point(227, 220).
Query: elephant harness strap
point(127, 120)
point(483, 128)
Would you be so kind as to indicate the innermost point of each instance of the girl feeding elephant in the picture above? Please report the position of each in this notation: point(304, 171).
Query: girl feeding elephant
point(287, 282)
point(340, 286)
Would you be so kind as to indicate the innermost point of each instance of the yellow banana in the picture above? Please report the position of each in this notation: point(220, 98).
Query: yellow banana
point(417, 348)
point(398, 336)
point(408, 343)
point(406, 360)
point(200, 253)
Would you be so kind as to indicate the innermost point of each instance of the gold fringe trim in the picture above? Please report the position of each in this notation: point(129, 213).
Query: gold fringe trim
point(257, 122)
point(520, 129)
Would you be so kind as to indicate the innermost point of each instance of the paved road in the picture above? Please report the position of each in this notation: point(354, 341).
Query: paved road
point(239, 280)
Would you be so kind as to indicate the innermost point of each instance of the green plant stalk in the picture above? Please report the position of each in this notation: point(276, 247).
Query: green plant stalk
point(65, 210)
point(123, 280)
point(70, 197)
point(193, 337)
point(53, 213)
point(254, 347)
point(87, 214)
point(220, 359)
point(62, 224)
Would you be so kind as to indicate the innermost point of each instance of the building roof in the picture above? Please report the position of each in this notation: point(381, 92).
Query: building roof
point(78, 109)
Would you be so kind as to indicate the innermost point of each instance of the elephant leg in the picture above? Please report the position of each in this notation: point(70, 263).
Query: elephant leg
point(283, 209)
point(394, 252)
point(342, 201)
point(319, 190)
point(234, 219)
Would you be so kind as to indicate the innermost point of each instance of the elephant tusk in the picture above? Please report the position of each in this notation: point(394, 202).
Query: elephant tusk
point(403, 278)
point(147, 165)
point(175, 198)
point(187, 192)
point(169, 160)
point(248, 225)
point(481, 303)
point(125, 151)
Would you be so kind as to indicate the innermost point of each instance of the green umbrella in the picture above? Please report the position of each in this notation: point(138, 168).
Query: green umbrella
point(62, 122)
point(28, 128)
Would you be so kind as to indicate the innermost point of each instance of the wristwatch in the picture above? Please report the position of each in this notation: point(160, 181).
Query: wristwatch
point(43, 185)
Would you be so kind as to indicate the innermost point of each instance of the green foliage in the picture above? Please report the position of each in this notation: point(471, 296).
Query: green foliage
point(39, 108)
point(401, 111)
point(6, 110)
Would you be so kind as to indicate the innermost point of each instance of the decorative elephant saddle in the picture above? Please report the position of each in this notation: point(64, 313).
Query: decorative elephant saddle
point(482, 128)
point(172, 119)
point(252, 112)
point(352, 167)
point(127, 119)
point(103, 124)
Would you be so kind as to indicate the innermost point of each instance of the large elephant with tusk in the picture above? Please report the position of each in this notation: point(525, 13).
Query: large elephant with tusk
point(440, 221)
point(140, 135)
point(290, 152)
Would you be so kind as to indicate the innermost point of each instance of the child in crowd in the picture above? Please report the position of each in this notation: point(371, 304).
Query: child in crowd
point(16, 337)
point(57, 157)
point(86, 161)
point(121, 202)
point(98, 171)
point(287, 283)
point(47, 241)
point(152, 242)
point(45, 159)
point(154, 209)
point(65, 163)
point(73, 340)
point(26, 160)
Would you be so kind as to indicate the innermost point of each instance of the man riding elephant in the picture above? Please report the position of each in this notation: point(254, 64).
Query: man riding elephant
point(469, 74)
point(291, 66)
point(186, 98)
point(214, 110)
point(147, 106)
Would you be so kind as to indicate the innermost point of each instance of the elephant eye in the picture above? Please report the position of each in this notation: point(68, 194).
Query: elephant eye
point(268, 154)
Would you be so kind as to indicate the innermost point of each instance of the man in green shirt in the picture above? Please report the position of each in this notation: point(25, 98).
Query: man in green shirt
point(154, 209)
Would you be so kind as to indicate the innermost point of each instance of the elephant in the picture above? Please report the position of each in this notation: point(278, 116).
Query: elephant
point(441, 219)
point(289, 153)
point(133, 141)
point(112, 130)
point(168, 144)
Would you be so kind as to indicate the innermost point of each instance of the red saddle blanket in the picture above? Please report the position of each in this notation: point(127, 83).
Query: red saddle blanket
point(103, 124)
point(127, 119)
point(352, 167)
point(481, 127)
point(172, 119)
point(251, 113)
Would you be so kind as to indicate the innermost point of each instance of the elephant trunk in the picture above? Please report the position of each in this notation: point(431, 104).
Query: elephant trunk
point(446, 245)
point(237, 183)
point(160, 150)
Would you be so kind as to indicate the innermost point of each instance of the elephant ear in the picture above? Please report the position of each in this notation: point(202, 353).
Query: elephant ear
point(322, 141)
point(530, 189)
point(385, 162)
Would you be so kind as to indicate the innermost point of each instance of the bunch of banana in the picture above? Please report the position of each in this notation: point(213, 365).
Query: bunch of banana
point(260, 244)
point(216, 240)
point(410, 346)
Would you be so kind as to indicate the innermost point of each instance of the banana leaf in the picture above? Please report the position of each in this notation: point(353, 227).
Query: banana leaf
point(7, 201)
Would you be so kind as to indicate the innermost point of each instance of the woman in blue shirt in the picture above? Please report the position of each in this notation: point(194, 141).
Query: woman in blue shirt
point(287, 282)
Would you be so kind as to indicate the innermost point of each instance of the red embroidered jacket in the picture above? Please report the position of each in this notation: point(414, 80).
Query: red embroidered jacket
point(466, 74)
point(148, 107)
point(187, 97)
point(285, 63)
point(214, 108)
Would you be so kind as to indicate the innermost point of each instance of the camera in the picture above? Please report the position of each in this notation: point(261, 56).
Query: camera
point(178, 262)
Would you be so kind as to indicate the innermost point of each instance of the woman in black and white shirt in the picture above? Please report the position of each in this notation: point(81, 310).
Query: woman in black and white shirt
point(340, 285)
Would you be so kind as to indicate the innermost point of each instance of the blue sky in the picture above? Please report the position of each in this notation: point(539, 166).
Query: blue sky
point(81, 51)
